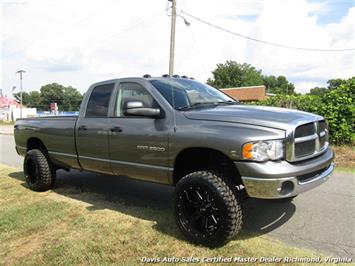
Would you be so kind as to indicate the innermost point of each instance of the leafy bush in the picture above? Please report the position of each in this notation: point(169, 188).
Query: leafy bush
point(336, 105)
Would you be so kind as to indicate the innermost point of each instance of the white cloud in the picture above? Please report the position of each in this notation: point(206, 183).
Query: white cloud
point(55, 58)
point(80, 42)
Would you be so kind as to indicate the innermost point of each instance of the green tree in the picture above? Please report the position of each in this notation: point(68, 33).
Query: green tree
point(332, 84)
point(30, 99)
point(335, 83)
point(319, 91)
point(232, 74)
point(67, 98)
point(72, 99)
point(52, 93)
point(25, 98)
point(278, 85)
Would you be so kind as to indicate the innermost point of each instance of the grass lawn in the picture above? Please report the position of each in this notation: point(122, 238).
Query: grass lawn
point(48, 228)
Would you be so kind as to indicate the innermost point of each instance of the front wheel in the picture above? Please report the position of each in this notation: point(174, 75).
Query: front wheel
point(206, 209)
point(38, 170)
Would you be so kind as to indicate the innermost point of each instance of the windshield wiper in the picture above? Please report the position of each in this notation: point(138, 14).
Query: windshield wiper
point(228, 102)
point(197, 105)
point(203, 104)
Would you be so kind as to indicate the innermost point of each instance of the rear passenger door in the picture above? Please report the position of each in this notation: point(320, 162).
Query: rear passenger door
point(92, 130)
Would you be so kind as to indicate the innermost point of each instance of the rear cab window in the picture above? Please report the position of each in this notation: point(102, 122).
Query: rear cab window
point(99, 101)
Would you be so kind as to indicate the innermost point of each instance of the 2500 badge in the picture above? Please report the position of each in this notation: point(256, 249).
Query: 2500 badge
point(150, 148)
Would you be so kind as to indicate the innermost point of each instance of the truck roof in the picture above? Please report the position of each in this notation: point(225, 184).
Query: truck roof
point(142, 78)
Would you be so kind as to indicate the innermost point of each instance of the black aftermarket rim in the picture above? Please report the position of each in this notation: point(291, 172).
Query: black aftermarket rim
point(31, 171)
point(198, 211)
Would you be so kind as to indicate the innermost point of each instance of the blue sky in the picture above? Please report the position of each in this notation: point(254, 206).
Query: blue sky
point(334, 12)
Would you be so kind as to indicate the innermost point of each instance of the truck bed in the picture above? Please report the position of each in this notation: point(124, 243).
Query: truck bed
point(57, 133)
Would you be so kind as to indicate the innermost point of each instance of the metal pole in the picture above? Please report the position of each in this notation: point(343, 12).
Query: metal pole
point(172, 38)
point(20, 94)
point(20, 72)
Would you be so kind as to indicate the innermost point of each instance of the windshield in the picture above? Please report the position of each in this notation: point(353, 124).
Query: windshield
point(190, 94)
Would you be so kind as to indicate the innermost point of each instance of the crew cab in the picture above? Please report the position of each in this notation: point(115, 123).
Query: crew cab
point(187, 134)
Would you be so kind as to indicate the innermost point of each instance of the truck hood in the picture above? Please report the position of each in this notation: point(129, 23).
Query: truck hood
point(280, 118)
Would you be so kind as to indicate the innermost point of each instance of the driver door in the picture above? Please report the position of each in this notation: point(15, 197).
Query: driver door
point(138, 145)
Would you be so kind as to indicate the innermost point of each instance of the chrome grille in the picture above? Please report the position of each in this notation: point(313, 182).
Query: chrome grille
point(305, 148)
point(305, 130)
point(307, 140)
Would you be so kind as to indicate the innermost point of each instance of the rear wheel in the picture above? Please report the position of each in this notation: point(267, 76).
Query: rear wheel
point(206, 209)
point(38, 170)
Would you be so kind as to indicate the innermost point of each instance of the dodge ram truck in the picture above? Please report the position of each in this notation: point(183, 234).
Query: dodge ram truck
point(180, 132)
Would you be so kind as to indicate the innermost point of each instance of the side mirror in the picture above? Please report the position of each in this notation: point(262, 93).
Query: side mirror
point(136, 108)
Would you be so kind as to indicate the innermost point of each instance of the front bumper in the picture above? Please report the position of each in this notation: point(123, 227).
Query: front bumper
point(273, 180)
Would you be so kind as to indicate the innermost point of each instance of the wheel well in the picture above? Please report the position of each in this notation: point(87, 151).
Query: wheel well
point(35, 143)
point(194, 159)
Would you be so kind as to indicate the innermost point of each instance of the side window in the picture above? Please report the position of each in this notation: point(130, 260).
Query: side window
point(130, 91)
point(99, 101)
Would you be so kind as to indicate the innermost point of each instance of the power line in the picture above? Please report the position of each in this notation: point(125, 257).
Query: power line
point(265, 42)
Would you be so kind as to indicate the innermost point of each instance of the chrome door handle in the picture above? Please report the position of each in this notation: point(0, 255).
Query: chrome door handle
point(116, 129)
point(82, 128)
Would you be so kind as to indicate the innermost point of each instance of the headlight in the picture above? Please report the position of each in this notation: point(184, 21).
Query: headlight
point(263, 150)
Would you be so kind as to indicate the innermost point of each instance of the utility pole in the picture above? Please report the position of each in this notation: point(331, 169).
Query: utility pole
point(172, 37)
point(20, 72)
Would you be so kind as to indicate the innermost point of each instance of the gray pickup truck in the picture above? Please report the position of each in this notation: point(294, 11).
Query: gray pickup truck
point(181, 132)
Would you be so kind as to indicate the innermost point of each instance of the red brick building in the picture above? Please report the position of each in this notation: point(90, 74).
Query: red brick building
point(247, 94)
